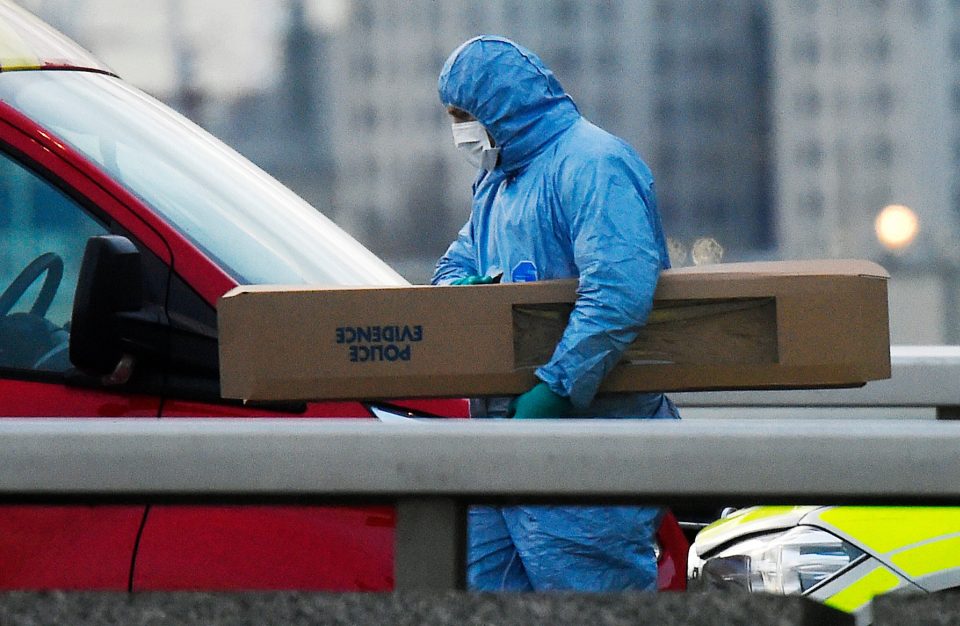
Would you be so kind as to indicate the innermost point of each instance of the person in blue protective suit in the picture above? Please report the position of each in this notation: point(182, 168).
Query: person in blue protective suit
point(555, 197)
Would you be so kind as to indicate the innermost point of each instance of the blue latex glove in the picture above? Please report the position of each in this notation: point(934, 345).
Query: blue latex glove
point(475, 280)
point(540, 403)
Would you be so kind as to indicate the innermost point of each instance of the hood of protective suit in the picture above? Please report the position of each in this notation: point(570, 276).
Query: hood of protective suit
point(511, 92)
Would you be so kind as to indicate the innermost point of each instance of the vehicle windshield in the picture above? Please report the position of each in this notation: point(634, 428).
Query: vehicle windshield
point(259, 231)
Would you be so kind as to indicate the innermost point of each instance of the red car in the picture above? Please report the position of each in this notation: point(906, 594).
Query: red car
point(121, 224)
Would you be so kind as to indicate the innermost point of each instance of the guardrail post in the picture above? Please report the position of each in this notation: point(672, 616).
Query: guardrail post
point(951, 412)
point(431, 544)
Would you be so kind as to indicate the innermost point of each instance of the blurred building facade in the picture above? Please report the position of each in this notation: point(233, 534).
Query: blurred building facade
point(340, 102)
point(866, 114)
point(250, 71)
point(778, 127)
point(683, 81)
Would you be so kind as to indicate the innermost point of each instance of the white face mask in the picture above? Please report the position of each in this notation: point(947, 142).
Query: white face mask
point(472, 139)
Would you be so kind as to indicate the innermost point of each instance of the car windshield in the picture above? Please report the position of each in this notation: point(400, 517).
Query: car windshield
point(259, 231)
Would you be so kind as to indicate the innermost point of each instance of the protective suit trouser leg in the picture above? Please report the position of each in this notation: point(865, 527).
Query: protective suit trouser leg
point(575, 548)
point(586, 548)
point(493, 563)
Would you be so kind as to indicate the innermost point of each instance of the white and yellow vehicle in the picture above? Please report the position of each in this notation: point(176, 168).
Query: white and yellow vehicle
point(842, 556)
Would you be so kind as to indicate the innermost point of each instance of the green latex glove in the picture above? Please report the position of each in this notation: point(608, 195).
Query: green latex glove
point(540, 403)
point(474, 280)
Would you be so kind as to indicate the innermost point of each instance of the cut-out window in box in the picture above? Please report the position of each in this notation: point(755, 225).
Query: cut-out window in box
point(734, 331)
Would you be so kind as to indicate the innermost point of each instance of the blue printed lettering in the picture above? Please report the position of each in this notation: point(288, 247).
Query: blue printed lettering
point(379, 343)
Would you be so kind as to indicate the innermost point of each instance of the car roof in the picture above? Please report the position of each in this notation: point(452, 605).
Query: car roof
point(29, 43)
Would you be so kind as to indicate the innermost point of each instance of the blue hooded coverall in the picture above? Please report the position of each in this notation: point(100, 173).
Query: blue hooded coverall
point(565, 200)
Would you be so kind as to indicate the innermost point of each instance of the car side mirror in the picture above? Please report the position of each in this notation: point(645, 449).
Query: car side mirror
point(110, 285)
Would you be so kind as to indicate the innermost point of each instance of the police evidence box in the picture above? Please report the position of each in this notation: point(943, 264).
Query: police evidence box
point(776, 325)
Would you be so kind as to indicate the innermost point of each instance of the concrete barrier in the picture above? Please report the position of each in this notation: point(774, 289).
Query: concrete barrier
point(921, 377)
point(918, 610)
point(412, 608)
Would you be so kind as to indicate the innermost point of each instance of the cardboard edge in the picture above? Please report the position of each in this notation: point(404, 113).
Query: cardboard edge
point(761, 269)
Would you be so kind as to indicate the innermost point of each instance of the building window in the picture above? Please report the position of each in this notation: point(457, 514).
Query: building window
point(608, 60)
point(566, 11)
point(706, 110)
point(920, 9)
point(475, 15)
point(666, 157)
point(665, 112)
point(566, 62)
point(607, 11)
point(712, 58)
point(707, 12)
point(880, 151)
point(812, 202)
point(364, 66)
point(808, 102)
point(438, 54)
point(709, 162)
point(879, 196)
point(367, 117)
point(513, 11)
point(879, 100)
point(806, 50)
point(810, 154)
point(365, 15)
point(663, 10)
point(877, 49)
point(609, 111)
point(434, 17)
point(664, 60)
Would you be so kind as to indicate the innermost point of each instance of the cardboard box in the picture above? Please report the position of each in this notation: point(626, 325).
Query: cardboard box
point(734, 326)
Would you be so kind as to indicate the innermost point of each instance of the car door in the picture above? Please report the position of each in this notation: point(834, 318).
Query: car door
point(254, 547)
point(44, 225)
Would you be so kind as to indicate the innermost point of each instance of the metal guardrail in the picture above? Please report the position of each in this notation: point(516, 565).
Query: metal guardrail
point(433, 469)
point(922, 376)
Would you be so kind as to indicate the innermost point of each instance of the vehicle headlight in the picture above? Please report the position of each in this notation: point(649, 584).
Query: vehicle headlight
point(789, 562)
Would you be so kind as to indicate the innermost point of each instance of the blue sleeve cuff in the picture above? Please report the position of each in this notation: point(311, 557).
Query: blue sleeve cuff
point(580, 396)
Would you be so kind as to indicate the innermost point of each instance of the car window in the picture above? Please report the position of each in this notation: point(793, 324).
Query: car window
point(255, 228)
point(43, 233)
